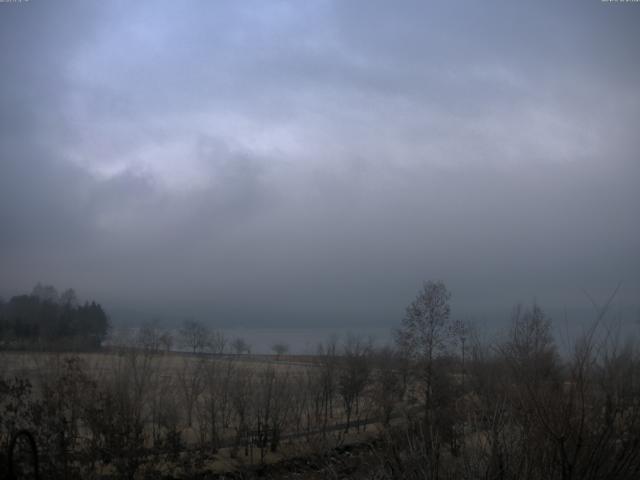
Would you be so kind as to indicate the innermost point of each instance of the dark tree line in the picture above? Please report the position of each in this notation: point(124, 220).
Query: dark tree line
point(45, 317)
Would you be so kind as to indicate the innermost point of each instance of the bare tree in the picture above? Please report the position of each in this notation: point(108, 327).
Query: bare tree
point(327, 355)
point(68, 298)
point(46, 293)
point(242, 404)
point(149, 336)
point(388, 387)
point(354, 375)
point(116, 412)
point(280, 349)
point(208, 410)
point(215, 408)
point(217, 342)
point(530, 348)
point(191, 383)
point(166, 341)
point(426, 333)
point(240, 346)
point(194, 335)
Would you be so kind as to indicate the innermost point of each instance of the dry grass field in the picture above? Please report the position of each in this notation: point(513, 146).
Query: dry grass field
point(502, 410)
point(33, 364)
point(227, 411)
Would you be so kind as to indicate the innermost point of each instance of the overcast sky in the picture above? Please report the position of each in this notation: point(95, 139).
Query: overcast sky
point(310, 162)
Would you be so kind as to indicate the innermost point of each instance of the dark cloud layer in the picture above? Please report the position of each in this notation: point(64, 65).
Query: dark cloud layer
point(303, 163)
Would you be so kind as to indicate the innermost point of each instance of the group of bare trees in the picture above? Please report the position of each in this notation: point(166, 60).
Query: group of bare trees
point(515, 408)
point(444, 404)
point(193, 336)
point(121, 412)
point(198, 338)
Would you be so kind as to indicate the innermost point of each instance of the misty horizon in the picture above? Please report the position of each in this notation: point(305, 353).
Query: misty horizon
point(285, 165)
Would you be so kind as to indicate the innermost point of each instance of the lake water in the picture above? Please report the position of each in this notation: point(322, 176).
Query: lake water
point(299, 340)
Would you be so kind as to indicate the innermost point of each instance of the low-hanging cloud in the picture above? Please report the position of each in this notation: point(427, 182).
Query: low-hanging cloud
point(293, 164)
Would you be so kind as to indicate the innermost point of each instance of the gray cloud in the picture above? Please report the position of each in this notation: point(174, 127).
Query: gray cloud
point(296, 164)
